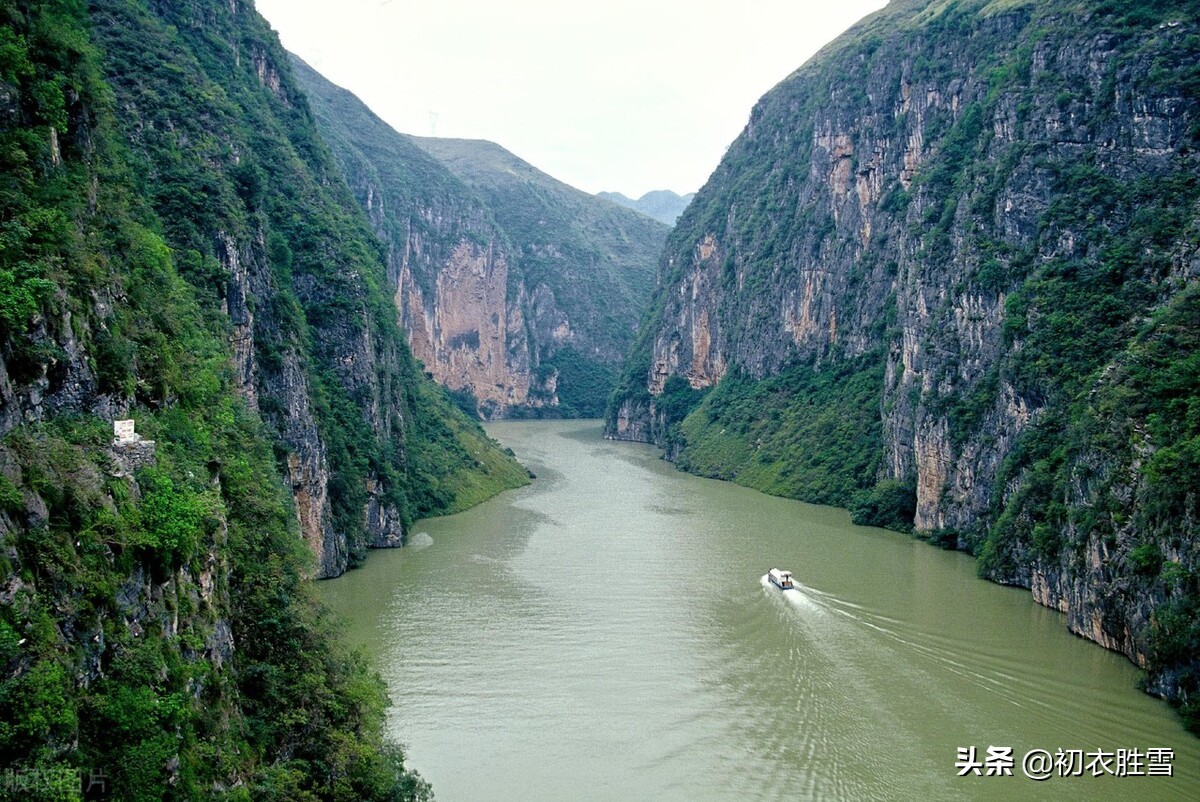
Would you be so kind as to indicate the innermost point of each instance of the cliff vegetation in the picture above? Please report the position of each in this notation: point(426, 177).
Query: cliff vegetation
point(176, 247)
point(519, 293)
point(946, 277)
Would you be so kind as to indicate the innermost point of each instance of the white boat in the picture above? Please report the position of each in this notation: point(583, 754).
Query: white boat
point(781, 579)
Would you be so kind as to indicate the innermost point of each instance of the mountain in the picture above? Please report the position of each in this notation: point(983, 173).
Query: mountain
point(662, 204)
point(180, 253)
point(947, 277)
point(586, 268)
point(518, 293)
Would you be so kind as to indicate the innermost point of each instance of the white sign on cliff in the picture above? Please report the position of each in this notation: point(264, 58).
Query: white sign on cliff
point(123, 431)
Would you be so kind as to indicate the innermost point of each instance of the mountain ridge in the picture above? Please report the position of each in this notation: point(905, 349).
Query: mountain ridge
point(497, 268)
point(180, 256)
point(661, 204)
point(908, 287)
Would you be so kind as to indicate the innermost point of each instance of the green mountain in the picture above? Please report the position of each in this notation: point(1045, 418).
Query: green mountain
point(178, 248)
point(947, 277)
point(663, 205)
point(518, 293)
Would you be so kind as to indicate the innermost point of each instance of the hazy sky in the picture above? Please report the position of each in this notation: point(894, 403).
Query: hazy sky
point(624, 95)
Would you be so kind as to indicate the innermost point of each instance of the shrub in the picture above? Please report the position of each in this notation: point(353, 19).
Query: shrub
point(890, 504)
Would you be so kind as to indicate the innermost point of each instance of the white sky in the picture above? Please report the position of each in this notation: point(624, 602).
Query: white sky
point(621, 95)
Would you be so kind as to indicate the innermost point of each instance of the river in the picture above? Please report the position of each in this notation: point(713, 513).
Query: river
point(605, 634)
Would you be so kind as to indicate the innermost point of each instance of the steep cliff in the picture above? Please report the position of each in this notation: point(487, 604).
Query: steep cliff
point(517, 292)
point(946, 276)
point(177, 247)
point(251, 198)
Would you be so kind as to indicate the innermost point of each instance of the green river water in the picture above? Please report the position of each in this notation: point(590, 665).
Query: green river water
point(606, 634)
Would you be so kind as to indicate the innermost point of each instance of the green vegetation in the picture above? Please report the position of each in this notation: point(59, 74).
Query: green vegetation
point(568, 255)
point(219, 133)
point(400, 177)
point(158, 623)
point(1141, 408)
point(662, 204)
point(890, 504)
point(678, 398)
point(451, 461)
point(1175, 641)
point(584, 382)
point(1018, 248)
point(173, 711)
point(807, 433)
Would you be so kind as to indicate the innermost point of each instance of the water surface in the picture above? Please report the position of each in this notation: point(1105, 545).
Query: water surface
point(605, 634)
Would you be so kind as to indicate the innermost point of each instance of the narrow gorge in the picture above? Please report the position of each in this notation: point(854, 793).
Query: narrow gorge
point(519, 293)
point(178, 252)
point(947, 277)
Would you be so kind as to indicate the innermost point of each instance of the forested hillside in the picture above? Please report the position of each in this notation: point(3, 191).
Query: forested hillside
point(248, 192)
point(519, 293)
point(178, 248)
point(947, 277)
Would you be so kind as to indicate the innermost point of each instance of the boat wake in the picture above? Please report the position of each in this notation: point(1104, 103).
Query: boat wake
point(935, 649)
point(797, 596)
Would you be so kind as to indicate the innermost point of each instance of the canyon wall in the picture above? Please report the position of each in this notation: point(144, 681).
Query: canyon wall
point(180, 256)
point(518, 293)
point(977, 222)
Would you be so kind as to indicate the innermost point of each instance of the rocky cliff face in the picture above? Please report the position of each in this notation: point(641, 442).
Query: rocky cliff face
point(463, 332)
point(993, 207)
point(178, 248)
point(483, 313)
point(250, 194)
point(287, 390)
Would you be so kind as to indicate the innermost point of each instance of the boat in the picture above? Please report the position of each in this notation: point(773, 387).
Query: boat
point(781, 579)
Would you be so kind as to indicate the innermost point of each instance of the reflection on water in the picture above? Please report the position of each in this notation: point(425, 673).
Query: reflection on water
point(607, 633)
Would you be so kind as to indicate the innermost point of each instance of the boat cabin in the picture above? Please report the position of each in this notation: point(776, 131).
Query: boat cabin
point(781, 579)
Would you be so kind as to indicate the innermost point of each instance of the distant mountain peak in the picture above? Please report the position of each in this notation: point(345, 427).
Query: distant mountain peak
point(661, 204)
point(519, 293)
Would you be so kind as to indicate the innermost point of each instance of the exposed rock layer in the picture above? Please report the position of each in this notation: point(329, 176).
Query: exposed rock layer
point(942, 190)
point(518, 292)
point(300, 292)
